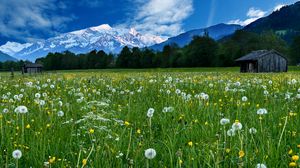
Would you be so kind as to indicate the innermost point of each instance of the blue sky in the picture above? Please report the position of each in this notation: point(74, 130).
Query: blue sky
point(30, 20)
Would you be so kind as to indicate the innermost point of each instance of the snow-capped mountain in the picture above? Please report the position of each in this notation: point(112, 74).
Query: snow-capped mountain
point(11, 48)
point(102, 37)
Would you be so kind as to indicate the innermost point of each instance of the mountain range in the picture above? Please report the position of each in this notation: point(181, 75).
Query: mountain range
point(216, 32)
point(102, 37)
point(285, 22)
point(106, 38)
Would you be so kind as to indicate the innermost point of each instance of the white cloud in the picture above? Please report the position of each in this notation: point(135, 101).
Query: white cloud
point(161, 17)
point(253, 14)
point(278, 7)
point(19, 19)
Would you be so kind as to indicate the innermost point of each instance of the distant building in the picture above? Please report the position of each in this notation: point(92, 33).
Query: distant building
point(263, 61)
point(32, 68)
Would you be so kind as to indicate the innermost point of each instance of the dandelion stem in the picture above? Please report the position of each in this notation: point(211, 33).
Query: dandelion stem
point(77, 165)
point(128, 149)
point(89, 155)
point(283, 129)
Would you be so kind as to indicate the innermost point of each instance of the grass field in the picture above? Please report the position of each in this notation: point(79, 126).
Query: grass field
point(205, 117)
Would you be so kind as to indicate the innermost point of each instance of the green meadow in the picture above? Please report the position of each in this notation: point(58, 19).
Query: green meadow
point(198, 117)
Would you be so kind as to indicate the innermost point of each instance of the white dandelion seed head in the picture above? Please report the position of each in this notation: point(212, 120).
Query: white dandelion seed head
point(224, 121)
point(60, 114)
point(150, 112)
point(167, 109)
point(150, 153)
point(231, 132)
point(262, 111)
point(17, 154)
point(244, 99)
point(252, 130)
point(21, 109)
point(5, 110)
point(237, 126)
point(37, 95)
point(261, 165)
point(42, 102)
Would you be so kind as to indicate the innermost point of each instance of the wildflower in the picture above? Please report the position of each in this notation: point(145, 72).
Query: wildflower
point(138, 131)
point(28, 126)
point(84, 162)
point(227, 150)
point(231, 132)
point(60, 114)
point(167, 109)
point(292, 164)
point(260, 165)
point(21, 109)
point(91, 131)
point(37, 95)
point(237, 125)
point(150, 112)
point(224, 121)
point(5, 110)
point(295, 157)
point(244, 99)
point(252, 130)
point(190, 143)
point(241, 153)
point(150, 153)
point(262, 111)
point(17, 154)
point(52, 160)
point(126, 123)
point(180, 161)
point(290, 151)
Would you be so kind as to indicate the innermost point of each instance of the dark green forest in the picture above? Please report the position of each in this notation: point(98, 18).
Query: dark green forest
point(203, 51)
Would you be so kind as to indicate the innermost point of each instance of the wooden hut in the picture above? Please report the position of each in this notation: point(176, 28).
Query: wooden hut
point(32, 68)
point(263, 61)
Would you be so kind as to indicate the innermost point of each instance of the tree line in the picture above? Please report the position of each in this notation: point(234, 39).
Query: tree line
point(202, 51)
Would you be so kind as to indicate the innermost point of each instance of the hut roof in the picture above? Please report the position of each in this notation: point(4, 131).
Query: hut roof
point(33, 65)
point(255, 55)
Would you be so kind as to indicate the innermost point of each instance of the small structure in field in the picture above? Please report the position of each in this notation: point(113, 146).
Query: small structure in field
point(263, 61)
point(32, 68)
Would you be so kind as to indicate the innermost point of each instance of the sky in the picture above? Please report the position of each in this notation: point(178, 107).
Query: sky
point(31, 20)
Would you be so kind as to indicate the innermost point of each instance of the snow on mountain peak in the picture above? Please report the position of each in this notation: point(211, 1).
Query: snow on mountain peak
point(101, 27)
point(101, 37)
point(133, 31)
point(12, 48)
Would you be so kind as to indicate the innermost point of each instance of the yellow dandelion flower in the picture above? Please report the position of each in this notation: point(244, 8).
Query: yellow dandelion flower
point(295, 157)
point(91, 131)
point(28, 126)
point(241, 154)
point(126, 123)
point(293, 164)
point(180, 161)
point(227, 150)
point(138, 131)
point(52, 160)
point(84, 162)
point(290, 151)
point(190, 143)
